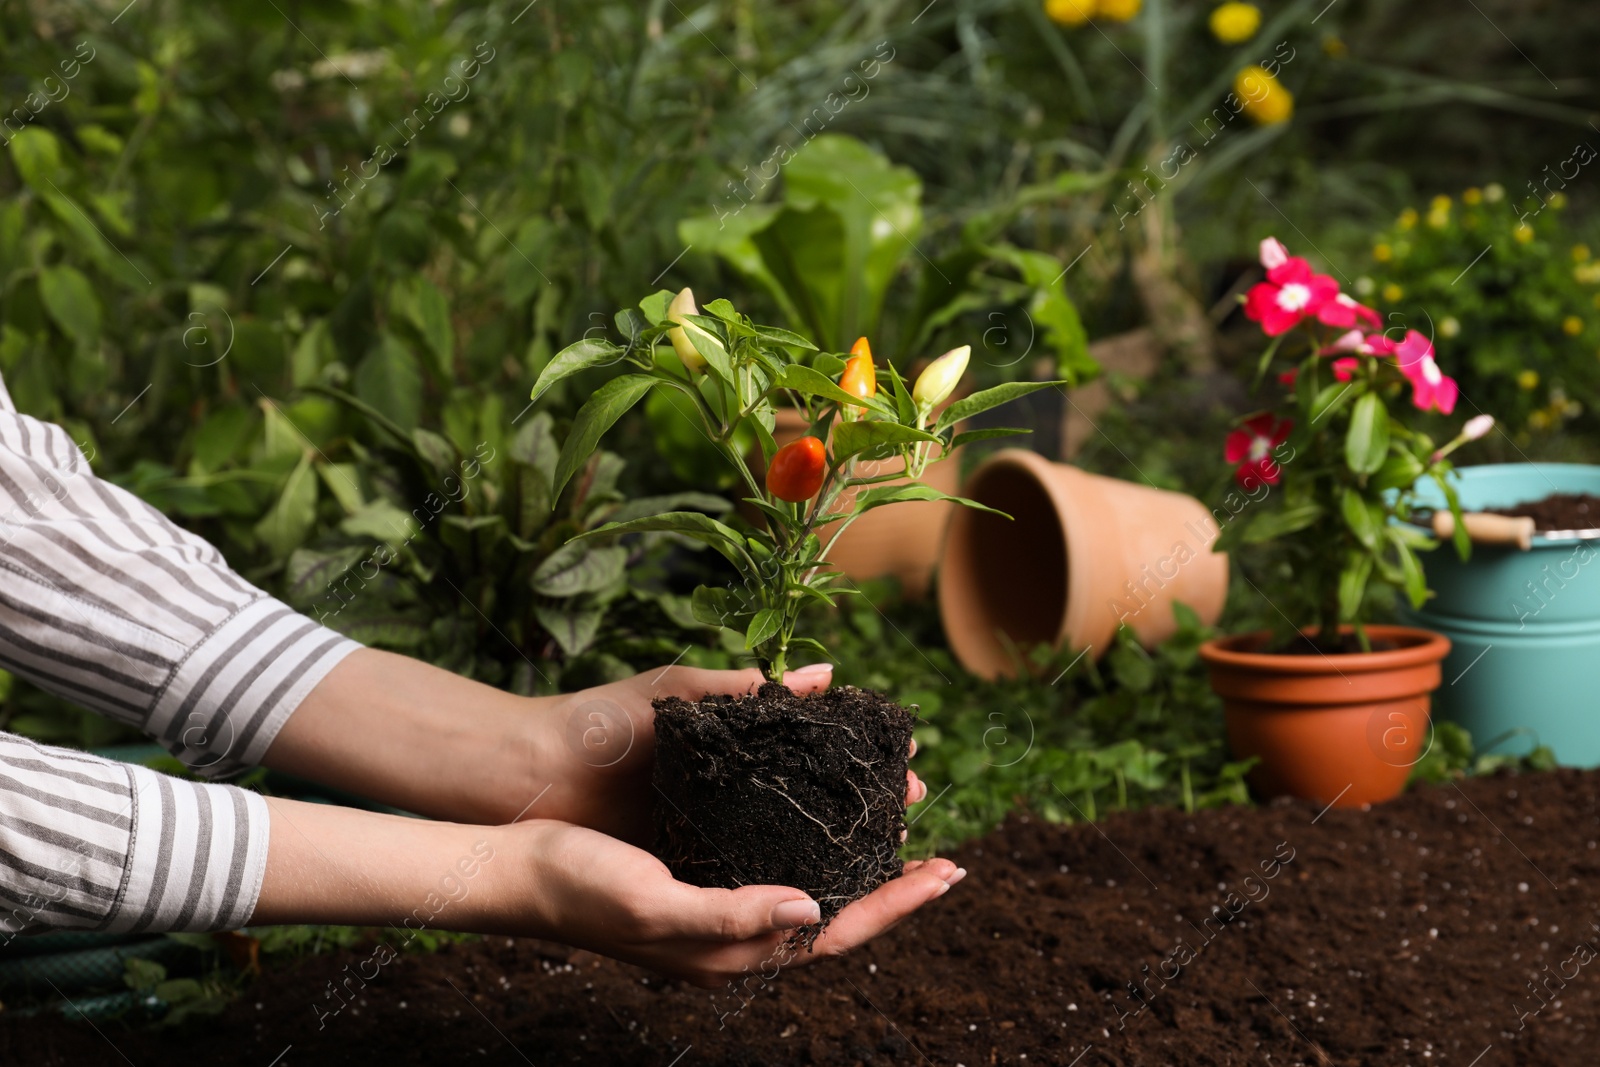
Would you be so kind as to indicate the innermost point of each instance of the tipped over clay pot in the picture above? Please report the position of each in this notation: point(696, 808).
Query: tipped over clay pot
point(1080, 555)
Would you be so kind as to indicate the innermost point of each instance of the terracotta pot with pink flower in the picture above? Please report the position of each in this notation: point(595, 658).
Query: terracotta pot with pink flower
point(1335, 709)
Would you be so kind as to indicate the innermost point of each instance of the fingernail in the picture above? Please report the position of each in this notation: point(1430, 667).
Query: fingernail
point(792, 913)
point(944, 887)
point(813, 669)
point(961, 872)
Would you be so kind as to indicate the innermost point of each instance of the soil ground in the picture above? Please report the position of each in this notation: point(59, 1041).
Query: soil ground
point(1559, 511)
point(1406, 934)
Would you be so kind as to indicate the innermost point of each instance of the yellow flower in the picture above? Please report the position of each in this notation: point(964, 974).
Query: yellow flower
point(1472, 196)
point(1572, 326)
point(1408, 218)
point(1539, 420)
point(1439, 219)
point(1334, 48)
point(1070, 12)
point(1440, 203)
point(1449, 326)
point(1523, 233)
point(1382, 252)
point(1494, 192)
point(1558, 200)
point(1263, 99)
point(1234, 22)
point(1392, 293)
point(1120, 10)
point(1580, 253)
point(1528, 379)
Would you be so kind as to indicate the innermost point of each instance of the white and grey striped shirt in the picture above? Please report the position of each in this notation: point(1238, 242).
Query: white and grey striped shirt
point(105, 602)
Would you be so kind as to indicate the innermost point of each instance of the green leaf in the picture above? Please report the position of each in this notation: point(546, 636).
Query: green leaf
point(422, 304)
point(311, 572)
point(784, 337)
point(763, 628)
point(590, 352)
point(383, 629)
point(573, 623)
point(809, 382)
point(1274, 524)
point(286, 524)
point(716, 606)
point(853, 438)
point(1364, 519)
point(690, 524)
point(598, 414)
point(576, 568)
point(69, 298)
point(1366, 445)
point(985, 399)
point(901, 494)
point(970, 436)
point(1331, 398)
point(37, 155)
point(1400, 471)
point(437, 452)
point(1416, 582)
point(1353, 585)
point(655, 505)
point(654, 306)
point(390, 380)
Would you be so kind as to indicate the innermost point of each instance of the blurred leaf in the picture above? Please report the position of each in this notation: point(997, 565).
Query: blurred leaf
point(390, 380)
point(70, 300)
point(286, 525)
point(577, 567)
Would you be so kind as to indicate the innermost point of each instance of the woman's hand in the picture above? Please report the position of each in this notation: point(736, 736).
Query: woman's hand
point(597, 746)
point(556, 881)
point(409, 734)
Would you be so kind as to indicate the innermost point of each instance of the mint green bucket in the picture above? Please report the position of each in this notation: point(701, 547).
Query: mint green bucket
point(1524, 667)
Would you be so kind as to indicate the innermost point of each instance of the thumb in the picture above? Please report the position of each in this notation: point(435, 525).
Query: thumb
point(736, 914)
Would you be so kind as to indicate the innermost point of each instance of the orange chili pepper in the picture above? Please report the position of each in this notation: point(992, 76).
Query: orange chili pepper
point(797, 470)
point(860, 377)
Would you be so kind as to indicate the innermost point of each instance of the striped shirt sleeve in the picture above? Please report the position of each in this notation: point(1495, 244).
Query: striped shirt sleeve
point(105, 602)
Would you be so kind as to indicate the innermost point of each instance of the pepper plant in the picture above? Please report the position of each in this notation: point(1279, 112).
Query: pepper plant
point(1344, 514)
point(735, 375)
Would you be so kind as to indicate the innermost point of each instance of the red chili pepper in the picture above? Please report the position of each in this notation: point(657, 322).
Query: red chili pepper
point(860, 377)
point(797, 469)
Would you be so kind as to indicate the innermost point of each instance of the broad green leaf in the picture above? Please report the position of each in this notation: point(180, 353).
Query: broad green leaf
point(1274, 524)
point(853, 438)
point(1364, 520)
point(970, 436)
point(1331, 398)
point(390, 380)
point(1052, 311)
point(809, 382)
point(344, 482)
point(579, 568)
point(1366, 445)
point(37, 155)
point(1353, 585)
point(573, 623)
point(985, 399)
point(533, 501)
point(689, 524)
point(437, 452)
point(901, 494)
point(590, 352)
point(784, 337)
point(656, 505)
point(382, 520)
point(1416, 583)
point(310, 572)
point(425, 307)
point(69, 298)
point(286, 524)
point(1400, 471)
point(716, 606)
point(654, 306)
point(598, 414)
point(535, 445)
point(763, 628)
point(393, 630)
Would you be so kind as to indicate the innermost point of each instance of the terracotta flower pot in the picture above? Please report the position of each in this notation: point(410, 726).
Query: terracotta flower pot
point(1343, 729)
point(903, 540)
point(1080, 555)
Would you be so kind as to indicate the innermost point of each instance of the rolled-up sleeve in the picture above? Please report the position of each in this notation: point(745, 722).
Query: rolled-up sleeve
point(107, 603)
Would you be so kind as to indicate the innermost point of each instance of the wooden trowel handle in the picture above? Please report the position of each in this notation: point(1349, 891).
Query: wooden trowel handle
point(1485, 529)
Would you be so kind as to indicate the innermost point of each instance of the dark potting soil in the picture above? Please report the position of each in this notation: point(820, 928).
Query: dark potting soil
point(779, 789)
point(1415, 933)
point(1558, 511)
point(1310, 645)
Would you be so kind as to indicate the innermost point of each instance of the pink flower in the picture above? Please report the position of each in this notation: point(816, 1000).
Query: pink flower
point(1273, 254)
point(1290, 295)
point(1251, 446)
point(1344, 369)
point(1431, 388)
point(1343, 311)
point(1290, 377)
point(1477, 427)
point(1373, 344)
